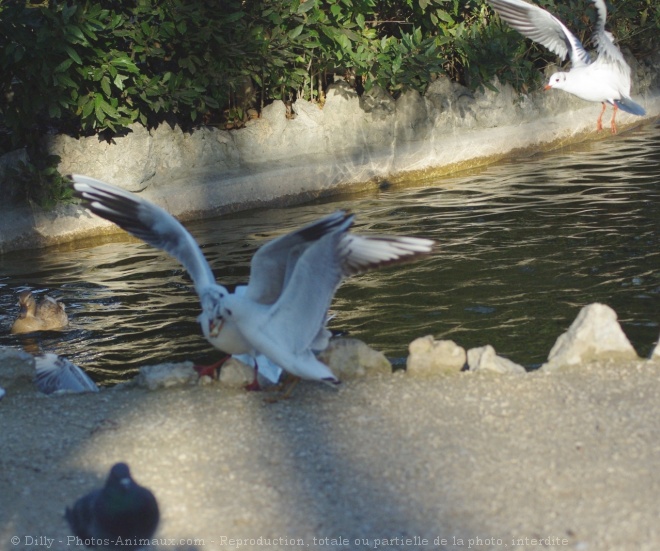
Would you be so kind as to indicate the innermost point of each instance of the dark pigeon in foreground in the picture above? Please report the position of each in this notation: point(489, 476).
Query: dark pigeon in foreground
point(121, 515)
point(57, 374)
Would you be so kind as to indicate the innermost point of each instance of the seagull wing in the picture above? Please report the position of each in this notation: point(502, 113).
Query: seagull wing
point(300, 313)
point(542, 27)
point(57, 373)
point(361, 253)
point(145, 221)
point(607, 49)
point(273, 264)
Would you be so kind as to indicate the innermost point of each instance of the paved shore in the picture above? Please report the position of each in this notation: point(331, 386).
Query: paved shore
point(562, 460)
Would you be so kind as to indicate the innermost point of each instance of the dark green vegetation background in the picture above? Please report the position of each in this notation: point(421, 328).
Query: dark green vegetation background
point(97, 66)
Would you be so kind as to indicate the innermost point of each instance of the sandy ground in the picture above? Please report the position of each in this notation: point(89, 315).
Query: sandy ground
point(567, 460)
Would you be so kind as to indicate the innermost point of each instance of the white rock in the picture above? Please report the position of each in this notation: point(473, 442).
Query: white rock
point(235, 373)
point(166, 375)
point(485, 358)
point(16, 367)
point(595, 333)
point(351, 359)
point(428, 356)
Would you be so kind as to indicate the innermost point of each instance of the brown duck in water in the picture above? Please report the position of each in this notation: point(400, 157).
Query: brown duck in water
point(48, 315)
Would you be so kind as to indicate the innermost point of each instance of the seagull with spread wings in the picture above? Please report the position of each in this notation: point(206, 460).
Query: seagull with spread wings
point(605, 79)
point(283, 310)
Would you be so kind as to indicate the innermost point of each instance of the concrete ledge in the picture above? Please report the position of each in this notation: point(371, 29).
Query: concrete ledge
point(211, 171)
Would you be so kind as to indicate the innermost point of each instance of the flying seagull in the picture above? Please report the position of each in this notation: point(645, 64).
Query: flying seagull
point(121, 515)
point(293, 278)
point(605, 79)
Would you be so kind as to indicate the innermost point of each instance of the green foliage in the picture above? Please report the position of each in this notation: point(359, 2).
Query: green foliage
point(86, 68)
point(40, 183)
point(96, 66)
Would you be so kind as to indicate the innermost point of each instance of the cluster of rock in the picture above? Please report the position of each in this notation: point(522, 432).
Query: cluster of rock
point(347, 358)
point(594, 335)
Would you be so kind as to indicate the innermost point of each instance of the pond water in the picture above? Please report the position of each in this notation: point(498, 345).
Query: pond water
point(522, 246)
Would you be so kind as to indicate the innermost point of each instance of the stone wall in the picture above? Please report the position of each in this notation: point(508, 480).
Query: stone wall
point(352, 143)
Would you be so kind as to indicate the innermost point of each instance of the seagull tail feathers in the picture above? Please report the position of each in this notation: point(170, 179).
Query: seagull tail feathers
point(331, 381)
point(629, 106)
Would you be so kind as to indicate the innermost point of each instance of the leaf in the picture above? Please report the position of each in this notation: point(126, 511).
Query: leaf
point(444, 16)
point(68, 11)
point(73, 54)
point(87, 108)
point(351, 35)
point(87, 29)
point(98, 112)
point(65, 80)
point(119, 81)
point(62, 67)
point(126, 63)
point(75, 31)
point(235, 17)
point(296, 32)
point(101, 108)
point(305, 6)
point(105, 86)
point(54, 111)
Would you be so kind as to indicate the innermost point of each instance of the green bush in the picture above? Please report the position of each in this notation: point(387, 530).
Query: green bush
point(96, 66)
point(85, 67)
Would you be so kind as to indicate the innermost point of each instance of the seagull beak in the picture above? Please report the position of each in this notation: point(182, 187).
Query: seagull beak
point(547, 87)
point(215, 328)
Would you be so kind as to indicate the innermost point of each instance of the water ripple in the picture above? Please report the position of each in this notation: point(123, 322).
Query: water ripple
point(523, 245)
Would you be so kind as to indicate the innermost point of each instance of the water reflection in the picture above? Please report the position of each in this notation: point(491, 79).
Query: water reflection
point(523, 246)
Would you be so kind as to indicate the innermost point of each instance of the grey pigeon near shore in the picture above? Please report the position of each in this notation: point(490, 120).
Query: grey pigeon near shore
point(121, 515)
point(57, 374)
